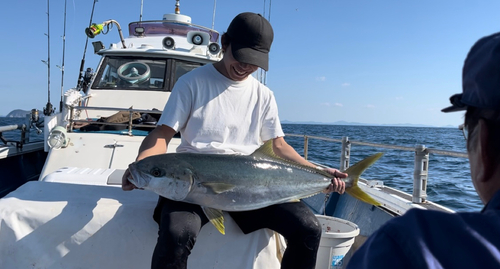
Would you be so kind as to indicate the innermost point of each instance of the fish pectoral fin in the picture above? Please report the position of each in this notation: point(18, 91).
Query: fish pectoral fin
point(216, 217)
point(218, 187)
point(358, 193)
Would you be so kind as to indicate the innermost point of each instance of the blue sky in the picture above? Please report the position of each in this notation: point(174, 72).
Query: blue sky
point(375, 62)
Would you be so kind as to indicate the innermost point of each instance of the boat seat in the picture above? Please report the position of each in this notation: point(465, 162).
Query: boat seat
point(62, 225)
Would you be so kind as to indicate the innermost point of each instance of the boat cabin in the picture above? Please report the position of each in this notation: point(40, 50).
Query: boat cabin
point(141, 70)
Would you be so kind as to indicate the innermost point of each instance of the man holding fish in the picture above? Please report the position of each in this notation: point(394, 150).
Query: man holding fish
point(221, 109)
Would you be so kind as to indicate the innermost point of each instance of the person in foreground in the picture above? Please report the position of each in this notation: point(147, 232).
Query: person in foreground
point(432, 239)
point(220, 108)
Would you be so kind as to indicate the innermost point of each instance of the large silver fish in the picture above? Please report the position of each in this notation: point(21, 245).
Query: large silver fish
point(238, 183)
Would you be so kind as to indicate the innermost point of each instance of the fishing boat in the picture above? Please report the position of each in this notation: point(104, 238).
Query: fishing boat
point(76, 215)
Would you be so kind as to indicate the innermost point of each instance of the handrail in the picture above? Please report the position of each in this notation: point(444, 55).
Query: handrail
point(22, 127)
point(115, 123)
point(117, 109)
point(420, 173)
point(129, 124)
point(9, 128)
point(430, 150)
point(448, 153)
point(32, 121)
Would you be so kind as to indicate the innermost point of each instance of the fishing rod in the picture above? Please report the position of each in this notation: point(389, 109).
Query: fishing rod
point(48, 109)
point(263, 73)
point(80, 76)
point(62, 67)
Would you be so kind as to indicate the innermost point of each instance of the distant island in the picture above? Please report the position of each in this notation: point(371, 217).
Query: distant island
point(18, 113)
point(364, 124)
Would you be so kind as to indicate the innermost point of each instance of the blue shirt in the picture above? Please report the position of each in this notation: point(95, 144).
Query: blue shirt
point(433, 239)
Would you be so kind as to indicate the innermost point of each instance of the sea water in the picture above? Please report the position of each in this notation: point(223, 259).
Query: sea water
point(449, 181)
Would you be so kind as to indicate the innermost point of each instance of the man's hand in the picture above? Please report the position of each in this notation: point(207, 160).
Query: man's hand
point(337, 184)
point(126, 184)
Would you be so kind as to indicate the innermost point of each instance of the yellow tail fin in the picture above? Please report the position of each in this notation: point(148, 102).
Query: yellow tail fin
point(358, 193)
point(354, 172)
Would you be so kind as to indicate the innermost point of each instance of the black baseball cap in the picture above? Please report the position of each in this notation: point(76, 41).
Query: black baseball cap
point(251, 38)
point(480, 77)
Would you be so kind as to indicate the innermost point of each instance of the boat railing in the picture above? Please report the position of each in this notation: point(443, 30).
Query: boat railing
point(129, 125)
point(420, 174)
point(22, 127)
point(33, 121)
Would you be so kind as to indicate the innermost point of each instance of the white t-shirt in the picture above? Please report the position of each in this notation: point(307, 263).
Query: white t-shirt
point(217, 115)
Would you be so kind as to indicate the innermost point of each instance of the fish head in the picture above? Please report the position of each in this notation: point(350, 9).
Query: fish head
point(170, 179)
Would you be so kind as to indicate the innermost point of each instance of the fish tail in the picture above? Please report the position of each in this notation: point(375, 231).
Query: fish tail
point(358, 193)
point(355, 172)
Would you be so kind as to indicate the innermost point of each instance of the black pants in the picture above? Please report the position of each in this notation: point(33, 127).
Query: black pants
point(181, 222)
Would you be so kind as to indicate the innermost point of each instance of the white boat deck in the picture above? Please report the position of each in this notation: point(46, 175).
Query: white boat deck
point(61, 225)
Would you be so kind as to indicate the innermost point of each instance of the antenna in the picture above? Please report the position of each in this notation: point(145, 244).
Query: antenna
point(48, 109)
point(142, 4)
point(64, 50)
point(213, 18)
point(177, 9)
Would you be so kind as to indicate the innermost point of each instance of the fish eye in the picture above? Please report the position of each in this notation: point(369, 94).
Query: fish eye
point(156, 172)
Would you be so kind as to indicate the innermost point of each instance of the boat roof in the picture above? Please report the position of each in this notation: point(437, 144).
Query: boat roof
point(167, 27)
point(173, 36)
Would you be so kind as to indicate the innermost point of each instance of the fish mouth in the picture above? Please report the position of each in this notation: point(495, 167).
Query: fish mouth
point(134, 176)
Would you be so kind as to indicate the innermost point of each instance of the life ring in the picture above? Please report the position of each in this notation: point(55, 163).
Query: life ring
point(134, 72)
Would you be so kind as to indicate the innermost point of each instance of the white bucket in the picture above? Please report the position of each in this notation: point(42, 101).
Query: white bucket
point(336, 240)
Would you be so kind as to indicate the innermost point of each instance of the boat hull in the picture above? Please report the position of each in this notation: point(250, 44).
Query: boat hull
point(20, 166)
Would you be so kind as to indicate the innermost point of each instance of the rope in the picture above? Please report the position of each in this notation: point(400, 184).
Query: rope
point(327, 196)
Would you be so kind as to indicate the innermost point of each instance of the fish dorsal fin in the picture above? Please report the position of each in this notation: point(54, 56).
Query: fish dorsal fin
point(216, 217)
point(218, 187)
point(266, 152)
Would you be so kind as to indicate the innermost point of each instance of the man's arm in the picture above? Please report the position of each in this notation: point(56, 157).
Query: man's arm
point(154, 143)
point(285, 151)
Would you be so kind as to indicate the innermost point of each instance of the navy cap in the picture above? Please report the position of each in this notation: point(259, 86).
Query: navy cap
point(251, 38)
point(480, 77)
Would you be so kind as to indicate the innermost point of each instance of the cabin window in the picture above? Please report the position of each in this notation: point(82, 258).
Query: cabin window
point(182, 68)
point(131, 74)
